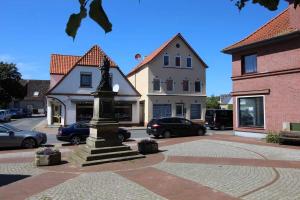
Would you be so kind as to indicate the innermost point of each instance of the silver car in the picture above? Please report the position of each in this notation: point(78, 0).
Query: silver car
point(13, 137)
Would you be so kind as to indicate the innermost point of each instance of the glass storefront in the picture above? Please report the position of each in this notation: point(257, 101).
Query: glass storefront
point(251, 112)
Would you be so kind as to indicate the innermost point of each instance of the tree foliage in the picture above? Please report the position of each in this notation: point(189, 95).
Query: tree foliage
point(98, 14)
point(212, 102)
point(10, 86)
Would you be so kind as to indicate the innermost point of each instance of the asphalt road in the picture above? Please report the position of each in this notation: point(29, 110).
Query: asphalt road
point(26, 123)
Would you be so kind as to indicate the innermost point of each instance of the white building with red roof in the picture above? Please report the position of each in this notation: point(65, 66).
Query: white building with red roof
point(74, 78)
point(172, 82)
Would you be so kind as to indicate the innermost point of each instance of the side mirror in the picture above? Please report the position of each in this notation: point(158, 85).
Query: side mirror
point(11, 133)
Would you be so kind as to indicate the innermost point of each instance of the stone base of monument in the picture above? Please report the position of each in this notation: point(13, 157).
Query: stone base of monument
point(103, 146)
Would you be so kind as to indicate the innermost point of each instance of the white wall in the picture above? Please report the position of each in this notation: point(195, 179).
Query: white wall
point(71, 83)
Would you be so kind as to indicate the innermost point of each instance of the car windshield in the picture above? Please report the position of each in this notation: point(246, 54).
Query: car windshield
point(11, 127)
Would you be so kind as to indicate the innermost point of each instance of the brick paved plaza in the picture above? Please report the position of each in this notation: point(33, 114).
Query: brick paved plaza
point(210, 167)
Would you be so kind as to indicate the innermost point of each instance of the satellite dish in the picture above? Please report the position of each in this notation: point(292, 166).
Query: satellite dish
point(138, 57)
point(116, 88)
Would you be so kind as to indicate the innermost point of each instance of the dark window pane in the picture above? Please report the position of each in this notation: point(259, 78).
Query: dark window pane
point(169, 85)
point(162, 110)
point(189, 62)
point(195, 111)
point(185, 85)
point(197, 86)
point(251, 112)
point(250, 63)
point(166, 60)
point(86, 80)
point(177, 61)
point(156, 85)
point(123, 111)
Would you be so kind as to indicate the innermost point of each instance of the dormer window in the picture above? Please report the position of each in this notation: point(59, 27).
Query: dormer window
point(249, 64)
point(85, 79)
point(189, 62)
point(166, 60)
point(177, 61)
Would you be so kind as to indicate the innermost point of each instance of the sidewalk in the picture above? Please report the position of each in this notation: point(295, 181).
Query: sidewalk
point(207, 167)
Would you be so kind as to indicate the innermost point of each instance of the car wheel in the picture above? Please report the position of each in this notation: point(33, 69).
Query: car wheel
point(121, 137)
point(29, 143)
point(167, 134)
point(200, 132)
point(75, 140)
point(222, 127)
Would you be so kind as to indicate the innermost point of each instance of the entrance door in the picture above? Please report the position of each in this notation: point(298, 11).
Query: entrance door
point(179, 110)
point(56, 113)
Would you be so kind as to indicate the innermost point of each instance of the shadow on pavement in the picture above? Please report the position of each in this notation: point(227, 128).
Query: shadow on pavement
point(6, 179)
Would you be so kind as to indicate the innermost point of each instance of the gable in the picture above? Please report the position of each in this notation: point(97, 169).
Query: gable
point(71, 82)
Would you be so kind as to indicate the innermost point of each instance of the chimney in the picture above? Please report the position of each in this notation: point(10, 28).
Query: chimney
point(294, 16)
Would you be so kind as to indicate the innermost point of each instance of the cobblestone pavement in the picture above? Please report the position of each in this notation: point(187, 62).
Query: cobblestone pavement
point(98, 186)
point(234, 180)
point(20, 169)
point(236, 170)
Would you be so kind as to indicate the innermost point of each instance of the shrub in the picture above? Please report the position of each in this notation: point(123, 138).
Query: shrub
point(272, 137)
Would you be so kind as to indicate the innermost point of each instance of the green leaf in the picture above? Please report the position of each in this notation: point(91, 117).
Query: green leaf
point(75, 21)
point(98, 14)
point(270, 4)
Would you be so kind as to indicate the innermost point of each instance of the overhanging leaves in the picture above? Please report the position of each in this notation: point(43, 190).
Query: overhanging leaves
point(75, 21)
point(98, 14)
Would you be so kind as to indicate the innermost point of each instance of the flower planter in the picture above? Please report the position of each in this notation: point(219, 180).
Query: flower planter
point(148, 147)
point(45, 160)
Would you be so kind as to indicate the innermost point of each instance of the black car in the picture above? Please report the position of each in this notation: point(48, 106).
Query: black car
point(78, 132)
point(220, 119)
point(174, 126)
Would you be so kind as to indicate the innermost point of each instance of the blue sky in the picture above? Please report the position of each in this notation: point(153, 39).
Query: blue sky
point(33, 29)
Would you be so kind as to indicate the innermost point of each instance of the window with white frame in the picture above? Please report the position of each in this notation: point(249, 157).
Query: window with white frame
point(189, 62)
point(156, 84)
point(251, 111)
point(170, 85)
point(185, 85)
point(85, 79)
point(177, 61)
point(166, 60)
point(198, 86)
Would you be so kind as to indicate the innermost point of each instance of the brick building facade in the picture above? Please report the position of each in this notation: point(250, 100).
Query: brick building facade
point(266, 76)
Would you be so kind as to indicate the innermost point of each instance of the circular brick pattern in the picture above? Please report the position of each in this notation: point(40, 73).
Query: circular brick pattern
point(208, 148)
point(98, 186)
point(285, 188)
point(233, 180)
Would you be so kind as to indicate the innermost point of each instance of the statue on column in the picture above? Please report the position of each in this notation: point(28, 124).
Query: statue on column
point(105, 84)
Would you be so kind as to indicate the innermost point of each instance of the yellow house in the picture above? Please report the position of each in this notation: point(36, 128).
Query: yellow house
point(172, 82)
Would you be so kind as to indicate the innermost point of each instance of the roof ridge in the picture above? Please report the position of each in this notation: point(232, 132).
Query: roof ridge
point(261, 27)
point(56, 54)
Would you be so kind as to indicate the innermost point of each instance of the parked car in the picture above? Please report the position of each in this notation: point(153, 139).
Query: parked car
point(220, 119)
point(16, 113)
point(13, 137)
point(78, 132)
point(5, 115)
point(174, 126)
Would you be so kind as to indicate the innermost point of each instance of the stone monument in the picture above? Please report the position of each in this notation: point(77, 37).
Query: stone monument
point(103, 144)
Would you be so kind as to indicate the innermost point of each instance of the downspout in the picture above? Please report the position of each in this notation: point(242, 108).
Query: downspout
point(65, 116)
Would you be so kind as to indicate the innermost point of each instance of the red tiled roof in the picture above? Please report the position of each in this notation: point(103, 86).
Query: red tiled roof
point(62, 64)
point(279, 26)
point(157, 52)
